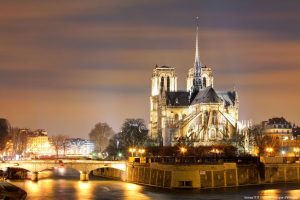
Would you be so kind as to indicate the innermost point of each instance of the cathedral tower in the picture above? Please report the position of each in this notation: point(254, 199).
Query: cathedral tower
point(163, 80)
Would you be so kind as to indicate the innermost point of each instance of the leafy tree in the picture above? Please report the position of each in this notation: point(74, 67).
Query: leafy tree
point(100, 135)
point(114, 146)
point(4, 132)
point(133, 134)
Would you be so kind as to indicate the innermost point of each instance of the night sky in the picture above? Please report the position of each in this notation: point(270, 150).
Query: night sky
point(66, 65)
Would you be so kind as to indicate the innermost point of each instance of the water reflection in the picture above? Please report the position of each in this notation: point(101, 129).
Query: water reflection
point(65, 184)
point(84, 190)
point(293, 194)
point(270, 194)
point(133, 190)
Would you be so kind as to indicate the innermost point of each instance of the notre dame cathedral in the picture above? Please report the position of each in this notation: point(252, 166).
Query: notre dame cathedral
point(201, 114)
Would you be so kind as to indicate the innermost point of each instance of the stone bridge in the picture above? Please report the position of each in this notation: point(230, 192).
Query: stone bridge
point(83, 166)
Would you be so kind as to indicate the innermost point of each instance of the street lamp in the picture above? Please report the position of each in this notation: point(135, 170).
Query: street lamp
point(141, 151)
point(269, 150)
point(183, 150)
point(132, 150)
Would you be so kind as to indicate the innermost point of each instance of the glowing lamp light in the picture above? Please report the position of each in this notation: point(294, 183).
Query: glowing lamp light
point(183, 150)
point(132, 150)
point(269, 150)
point(141, 151)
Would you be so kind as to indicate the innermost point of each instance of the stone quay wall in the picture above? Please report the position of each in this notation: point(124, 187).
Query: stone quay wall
point(203, 176)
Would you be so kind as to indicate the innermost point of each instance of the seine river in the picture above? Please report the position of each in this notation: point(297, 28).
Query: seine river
point(69, 187)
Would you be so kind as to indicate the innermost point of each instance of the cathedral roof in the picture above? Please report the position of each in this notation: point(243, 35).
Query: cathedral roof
point(228, 97)
point(207, 95)
point(179, 98)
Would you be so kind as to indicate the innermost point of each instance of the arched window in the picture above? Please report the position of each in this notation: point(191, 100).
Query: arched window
point(162, 83)
point(168, 84)
point(204, 82)
point(215, 118)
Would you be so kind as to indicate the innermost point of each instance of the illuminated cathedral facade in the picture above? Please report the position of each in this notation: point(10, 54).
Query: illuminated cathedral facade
point(200, 114)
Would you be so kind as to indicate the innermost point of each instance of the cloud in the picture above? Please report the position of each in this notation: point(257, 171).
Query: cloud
point(78, 62)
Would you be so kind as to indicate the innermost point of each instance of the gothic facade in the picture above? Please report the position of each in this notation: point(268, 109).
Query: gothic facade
point(200, 114)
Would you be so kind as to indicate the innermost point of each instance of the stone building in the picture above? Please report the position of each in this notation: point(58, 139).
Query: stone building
point(200, 114)
point(278, 127)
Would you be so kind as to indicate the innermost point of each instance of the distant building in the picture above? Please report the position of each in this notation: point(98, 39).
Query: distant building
point(79, 147)
point(38, 143)
point(279, 128)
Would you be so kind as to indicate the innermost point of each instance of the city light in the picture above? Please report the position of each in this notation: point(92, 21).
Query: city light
point(214, 150)
point(183, 150)
point(141, 151)
point(269, 150)
point(132, 150)
point(296, 150)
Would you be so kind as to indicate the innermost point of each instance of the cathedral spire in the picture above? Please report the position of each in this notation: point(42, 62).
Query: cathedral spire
point(197, 65)
point(197, 57)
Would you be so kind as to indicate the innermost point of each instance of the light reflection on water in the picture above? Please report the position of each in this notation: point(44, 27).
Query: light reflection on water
point(106, 189)
point(69, 187)
point(270, 194)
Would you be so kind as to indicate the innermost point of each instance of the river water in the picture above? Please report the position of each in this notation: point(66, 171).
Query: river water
point(69, 187)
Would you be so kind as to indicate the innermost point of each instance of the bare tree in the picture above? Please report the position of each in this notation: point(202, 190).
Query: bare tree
point(77, 143)
point(262, 141)
point(59, 142)
point(100, 135)
point(5, 129)
point(19, 140)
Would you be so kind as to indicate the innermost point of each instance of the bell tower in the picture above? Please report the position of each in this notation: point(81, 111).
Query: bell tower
point(163, 80)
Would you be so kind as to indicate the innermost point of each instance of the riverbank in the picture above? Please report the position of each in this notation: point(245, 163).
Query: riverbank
point(204, 176)
point(10, 191)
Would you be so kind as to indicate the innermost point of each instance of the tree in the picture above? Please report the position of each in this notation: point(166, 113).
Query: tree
point(100, 135)
point(262, 141)
point(77, 143)
point(5, 129)
point(19, 140)
point(114, 146)
point(65, 143)
point(133, 134)
point(60, 142)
